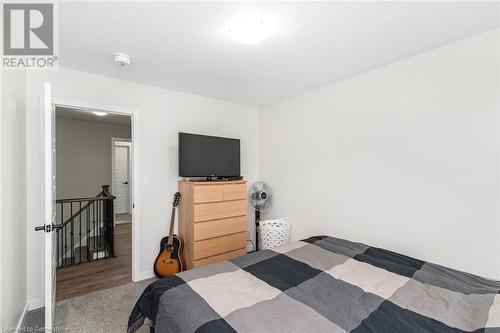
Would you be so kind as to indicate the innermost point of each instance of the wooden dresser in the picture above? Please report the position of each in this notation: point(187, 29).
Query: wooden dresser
point(213, 220)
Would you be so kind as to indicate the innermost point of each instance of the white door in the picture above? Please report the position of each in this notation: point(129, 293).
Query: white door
point(121, 186)
point(49, 197)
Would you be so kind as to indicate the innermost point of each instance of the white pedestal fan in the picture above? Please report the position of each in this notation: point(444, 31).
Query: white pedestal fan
point(260, 196)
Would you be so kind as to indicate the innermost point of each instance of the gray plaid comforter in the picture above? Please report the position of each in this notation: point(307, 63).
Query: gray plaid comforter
point(320, 284)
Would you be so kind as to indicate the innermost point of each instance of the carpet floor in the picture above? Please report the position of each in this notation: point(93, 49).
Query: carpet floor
point(101, 311)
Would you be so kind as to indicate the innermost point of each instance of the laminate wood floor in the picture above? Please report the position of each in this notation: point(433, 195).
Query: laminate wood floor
point(101, 274)
point(123, 218)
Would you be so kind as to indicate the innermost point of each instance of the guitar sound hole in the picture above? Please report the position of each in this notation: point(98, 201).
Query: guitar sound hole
point(171, 250)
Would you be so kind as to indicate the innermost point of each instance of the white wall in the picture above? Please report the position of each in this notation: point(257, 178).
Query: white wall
point(83, 156)
point(403, 157)
point(163, 113)
point(13, 198)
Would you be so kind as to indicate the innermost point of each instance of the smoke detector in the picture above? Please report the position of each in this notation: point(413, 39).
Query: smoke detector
point(122, 60)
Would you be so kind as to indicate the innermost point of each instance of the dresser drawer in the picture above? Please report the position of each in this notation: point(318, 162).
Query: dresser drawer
point(211, 193)
point(216, 228)
point(220, 257)
point(215, 246)
point(235, 192)
point(219, 210)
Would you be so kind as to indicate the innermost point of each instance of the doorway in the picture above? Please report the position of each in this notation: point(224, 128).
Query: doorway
point(121, 186)
point(93, 252)
point(50, 226)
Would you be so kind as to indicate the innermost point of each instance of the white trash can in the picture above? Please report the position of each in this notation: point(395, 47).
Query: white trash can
point(273, 233)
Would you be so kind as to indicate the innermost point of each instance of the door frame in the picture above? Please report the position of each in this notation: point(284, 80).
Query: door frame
point(130, 157)
point(134, 116)
point(48, 204)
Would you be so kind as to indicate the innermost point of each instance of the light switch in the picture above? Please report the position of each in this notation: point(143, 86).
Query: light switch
point(145, 181)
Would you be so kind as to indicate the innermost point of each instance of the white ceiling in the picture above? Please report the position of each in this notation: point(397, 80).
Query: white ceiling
point(183, 46)
point(86, 115)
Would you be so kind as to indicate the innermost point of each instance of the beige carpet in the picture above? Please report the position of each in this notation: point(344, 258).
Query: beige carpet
point(100, 311)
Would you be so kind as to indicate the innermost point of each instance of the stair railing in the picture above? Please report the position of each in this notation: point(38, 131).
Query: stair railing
point(88, 233)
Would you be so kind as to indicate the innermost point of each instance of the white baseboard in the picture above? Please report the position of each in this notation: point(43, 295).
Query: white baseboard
point(144, 276)
point(21, 318)
point(35, 304)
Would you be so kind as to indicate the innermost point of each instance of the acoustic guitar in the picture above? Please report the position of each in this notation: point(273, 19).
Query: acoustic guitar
point(171, 259)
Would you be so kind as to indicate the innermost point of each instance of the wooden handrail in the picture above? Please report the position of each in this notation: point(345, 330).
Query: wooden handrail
point(72, 217)
point(84, 199)
point(103, 195)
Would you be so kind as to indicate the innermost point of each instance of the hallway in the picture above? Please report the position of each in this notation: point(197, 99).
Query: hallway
point(102, 274)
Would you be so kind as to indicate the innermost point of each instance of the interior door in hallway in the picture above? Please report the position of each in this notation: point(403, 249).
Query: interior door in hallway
point(121, 186)
point(48, 201)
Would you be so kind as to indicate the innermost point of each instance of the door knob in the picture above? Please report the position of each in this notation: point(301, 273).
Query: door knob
point(49, 227)
point(125, 183)
point(40, 228)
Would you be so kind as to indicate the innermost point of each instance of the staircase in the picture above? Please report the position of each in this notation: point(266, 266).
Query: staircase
point(87, 232)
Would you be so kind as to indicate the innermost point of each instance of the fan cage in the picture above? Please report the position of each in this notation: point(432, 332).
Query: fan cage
point(273, 233)
point(255, 201)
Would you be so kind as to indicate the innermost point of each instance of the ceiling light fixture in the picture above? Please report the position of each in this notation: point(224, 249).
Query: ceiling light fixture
point(100, 113)
point(249, 30)
point(122, 60)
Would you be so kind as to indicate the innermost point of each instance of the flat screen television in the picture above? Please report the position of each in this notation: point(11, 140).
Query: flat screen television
point(208, 156)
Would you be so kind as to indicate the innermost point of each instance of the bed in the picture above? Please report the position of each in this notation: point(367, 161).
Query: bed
point(320, 284)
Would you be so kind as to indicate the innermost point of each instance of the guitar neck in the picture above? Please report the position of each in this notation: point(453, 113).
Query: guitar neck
point(171, 232)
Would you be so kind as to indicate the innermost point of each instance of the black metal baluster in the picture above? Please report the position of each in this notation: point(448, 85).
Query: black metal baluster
point(97, 232)
point(101, 245)
point(104, 228)
point(98, 227)
point(57, 250)
point(80, 231)
point(59, 238)
point(93, 228)
point(72, 242)
point(61, 261)
point(87, 210)
point(65, 241)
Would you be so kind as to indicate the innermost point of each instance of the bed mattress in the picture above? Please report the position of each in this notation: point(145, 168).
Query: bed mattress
point(320, 284)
